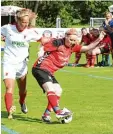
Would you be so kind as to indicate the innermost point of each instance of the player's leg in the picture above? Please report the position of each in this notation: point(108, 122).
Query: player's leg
point(88, 59)
point(45, 81)
point(53, 100)
point(21, 81)
point(9, 85)
point(105, 56)
point(94, 53)
point(112, 56)
point(51, 96)
point(77, 58)
point(112, 53)
point(58, 92)
point(9, 81)
point(22, 93)
point(112, 47)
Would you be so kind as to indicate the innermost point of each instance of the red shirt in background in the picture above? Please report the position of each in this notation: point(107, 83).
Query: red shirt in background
point(106, 42)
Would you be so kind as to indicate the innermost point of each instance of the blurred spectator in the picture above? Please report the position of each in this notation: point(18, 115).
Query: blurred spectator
point(94, 34)
point(108, 26)
point(84, 42)
point(103, 47)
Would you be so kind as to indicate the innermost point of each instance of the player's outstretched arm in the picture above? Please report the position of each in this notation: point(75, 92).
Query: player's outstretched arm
point(45, 40)
point(93, 44)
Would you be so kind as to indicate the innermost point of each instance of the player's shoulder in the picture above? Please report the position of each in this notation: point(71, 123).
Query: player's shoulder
point(111, 22)
point(58, 42)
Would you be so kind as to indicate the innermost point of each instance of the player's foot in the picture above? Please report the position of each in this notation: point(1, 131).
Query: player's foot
point(92, 66)
point(46, 119)
point(11, 111)
point(24, 108)
point(87, 66)
point(63, 114)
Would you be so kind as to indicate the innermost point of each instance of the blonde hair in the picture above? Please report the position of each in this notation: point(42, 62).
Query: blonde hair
point(25, 12)
point(106, 13)
point(71, 31)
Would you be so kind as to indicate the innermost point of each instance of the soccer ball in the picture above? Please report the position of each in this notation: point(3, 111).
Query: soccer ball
point(68, 119)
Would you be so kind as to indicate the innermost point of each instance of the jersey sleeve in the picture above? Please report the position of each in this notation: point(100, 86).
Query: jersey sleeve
point(53, 44)
point(35, 35)
point(4, 30)
point(76, 48)
point(111, 23)
point(109, 43)
point(49, 46)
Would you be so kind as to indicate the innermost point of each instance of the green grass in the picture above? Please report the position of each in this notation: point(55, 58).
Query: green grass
point(89, 97)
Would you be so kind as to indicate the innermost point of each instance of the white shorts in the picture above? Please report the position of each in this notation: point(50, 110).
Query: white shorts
point(14, 71)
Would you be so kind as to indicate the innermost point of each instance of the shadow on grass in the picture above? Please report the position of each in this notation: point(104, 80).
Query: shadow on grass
point(20, 117)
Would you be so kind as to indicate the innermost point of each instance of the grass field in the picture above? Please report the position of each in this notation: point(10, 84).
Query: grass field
point(88, 92)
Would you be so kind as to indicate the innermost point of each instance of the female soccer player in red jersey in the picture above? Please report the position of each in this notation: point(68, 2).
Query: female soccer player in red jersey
point(56, 56)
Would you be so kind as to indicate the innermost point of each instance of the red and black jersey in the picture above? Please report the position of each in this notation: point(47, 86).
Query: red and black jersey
point(56, 55)
point(106, 42)
point(85, 39)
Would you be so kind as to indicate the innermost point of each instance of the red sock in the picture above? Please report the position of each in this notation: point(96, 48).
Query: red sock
point(8, 100)
point(22, 97)
point(89, 57)
point(49, 107)
point(77, 57)
point(58, 99)
point(52, 98)
point(93, 60)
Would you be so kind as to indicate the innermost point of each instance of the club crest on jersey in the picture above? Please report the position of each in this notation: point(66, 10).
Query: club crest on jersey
point(6, 74)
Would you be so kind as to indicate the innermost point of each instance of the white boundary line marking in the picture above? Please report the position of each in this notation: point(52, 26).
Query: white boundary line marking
point(9, 131)
point(89, 75)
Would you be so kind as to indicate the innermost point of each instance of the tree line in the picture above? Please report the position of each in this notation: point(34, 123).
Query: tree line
point(70, 12)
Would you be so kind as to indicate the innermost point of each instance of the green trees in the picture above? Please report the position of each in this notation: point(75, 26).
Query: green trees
point(70, 12)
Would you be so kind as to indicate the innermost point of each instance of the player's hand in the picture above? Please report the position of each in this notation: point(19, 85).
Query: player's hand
point(45, 40)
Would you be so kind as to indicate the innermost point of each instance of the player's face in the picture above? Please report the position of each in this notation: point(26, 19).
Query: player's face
point(95, 33)
point(84, 32)
point(70, 40)
point(23, 22)
point(108, 16)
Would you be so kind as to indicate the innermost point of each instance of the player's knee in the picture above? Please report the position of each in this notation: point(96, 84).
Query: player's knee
point(58, 90)
point(48, 87)
point(9, 90)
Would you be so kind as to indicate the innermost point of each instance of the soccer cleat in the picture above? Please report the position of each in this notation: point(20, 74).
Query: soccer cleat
point(11, 111)
point(24, 108)
point(46, 119)
point(63, 114)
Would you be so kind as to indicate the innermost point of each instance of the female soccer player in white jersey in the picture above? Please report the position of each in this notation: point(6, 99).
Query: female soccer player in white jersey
point(17, 38)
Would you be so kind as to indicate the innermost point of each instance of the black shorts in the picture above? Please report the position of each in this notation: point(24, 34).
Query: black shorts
point(43, 76)
point(104, 50)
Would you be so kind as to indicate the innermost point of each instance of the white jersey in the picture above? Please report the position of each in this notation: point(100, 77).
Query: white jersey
point(17, 43)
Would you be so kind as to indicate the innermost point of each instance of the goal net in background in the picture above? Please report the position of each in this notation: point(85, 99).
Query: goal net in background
point(96, 22)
